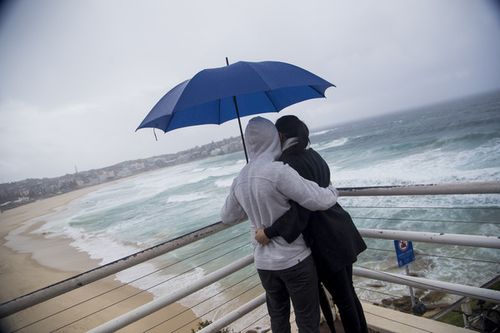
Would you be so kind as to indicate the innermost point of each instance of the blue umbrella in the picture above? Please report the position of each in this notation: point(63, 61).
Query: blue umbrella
point(216, 95)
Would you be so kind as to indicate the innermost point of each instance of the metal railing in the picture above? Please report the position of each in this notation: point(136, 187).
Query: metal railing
point(80, 280)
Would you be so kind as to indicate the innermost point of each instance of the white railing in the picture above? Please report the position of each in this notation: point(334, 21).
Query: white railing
point(161, 302)
point(418, 282)
point(234, 315)
point(492, 242)
point(80, 280)
point(424, 189)
point(98, 273)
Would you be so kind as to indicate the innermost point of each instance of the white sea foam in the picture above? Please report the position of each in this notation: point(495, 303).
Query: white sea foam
point(226, 170)
point(224, 183)
point(433, 166)
point(325, 145)
point(187, 197)
point(321, 132)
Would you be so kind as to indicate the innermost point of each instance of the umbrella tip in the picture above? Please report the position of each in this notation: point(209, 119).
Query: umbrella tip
point(227, 61)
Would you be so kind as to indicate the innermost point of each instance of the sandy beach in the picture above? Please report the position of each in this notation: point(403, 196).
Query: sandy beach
point(39, 262)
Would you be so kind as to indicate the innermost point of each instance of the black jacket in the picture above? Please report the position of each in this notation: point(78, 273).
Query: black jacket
point(331, 234)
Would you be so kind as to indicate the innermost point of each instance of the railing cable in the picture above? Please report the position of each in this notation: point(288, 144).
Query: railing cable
point(128, 283)
point(421, 207)
point(376, 291)
point(22, 302)
point(149, 288)
point(204, 314)
point(255, 321)
point(417, 253)
point(423, 283)
point(203, 301)
point(38, 296)
point(422, 220)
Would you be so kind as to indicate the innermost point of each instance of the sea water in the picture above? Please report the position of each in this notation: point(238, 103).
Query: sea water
point(458, 141)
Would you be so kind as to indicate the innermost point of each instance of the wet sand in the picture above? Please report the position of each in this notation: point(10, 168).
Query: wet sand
point(39, 261)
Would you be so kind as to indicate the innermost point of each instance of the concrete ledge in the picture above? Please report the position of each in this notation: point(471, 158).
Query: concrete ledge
point(385, 320)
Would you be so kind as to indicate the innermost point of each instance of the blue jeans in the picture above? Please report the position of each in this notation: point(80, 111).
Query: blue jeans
point(300, 283)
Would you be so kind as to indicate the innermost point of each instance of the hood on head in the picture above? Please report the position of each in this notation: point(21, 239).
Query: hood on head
point(261, 137)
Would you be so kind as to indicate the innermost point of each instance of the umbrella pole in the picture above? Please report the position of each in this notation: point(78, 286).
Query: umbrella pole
point(239, 121)
point(241, 130)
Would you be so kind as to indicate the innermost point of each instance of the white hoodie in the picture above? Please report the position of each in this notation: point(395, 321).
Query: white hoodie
point(261, 192)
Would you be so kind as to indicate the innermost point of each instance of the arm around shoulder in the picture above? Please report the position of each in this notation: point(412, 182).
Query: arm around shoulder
point(306, 193)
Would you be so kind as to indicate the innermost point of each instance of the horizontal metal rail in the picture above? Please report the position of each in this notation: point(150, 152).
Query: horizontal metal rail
point(433, 237)
point(452, 288)
point(157, 304)
point(41, 295)
point(424, 189)
point(234, 315)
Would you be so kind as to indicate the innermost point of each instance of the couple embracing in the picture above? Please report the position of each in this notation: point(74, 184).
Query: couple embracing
point(303, 238)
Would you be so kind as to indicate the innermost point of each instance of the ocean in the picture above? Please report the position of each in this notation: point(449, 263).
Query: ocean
point(457, 141)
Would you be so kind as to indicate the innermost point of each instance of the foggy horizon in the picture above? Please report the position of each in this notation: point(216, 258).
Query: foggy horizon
point(312, 130)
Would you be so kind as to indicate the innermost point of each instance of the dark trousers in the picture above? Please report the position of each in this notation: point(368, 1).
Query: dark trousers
point(300, 283)
point(339, 284)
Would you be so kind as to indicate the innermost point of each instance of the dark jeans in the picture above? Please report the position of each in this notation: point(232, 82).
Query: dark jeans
point(339, 284)
point(300, 283)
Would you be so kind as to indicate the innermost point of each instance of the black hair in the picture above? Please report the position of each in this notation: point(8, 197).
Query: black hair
point(290, 127)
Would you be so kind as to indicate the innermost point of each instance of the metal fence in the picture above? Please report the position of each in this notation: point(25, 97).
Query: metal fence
point(486, 241)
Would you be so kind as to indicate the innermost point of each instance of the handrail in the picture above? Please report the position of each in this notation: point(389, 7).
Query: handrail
point(233, 315)
point(464, 290)
point(157, 304)
point(418, 282)
point(422, 189)
point(41, 295)
point(434, 237)
point(453, 288)
point(59, 288)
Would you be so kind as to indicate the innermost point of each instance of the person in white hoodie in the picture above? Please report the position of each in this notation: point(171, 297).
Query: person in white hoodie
point(261, 193)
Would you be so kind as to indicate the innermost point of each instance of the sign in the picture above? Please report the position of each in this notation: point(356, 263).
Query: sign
point(404, 252)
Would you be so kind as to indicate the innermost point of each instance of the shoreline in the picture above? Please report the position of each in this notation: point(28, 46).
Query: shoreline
point(36, 262)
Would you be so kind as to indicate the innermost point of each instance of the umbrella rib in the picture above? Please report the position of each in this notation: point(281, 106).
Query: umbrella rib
point(258, 74)
point(271, 100)
point(319, 92)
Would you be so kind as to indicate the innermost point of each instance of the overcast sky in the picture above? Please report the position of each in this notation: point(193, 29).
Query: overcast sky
point(77, 77)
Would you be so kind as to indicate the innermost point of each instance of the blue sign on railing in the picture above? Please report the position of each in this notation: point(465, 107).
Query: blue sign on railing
point(404, 252)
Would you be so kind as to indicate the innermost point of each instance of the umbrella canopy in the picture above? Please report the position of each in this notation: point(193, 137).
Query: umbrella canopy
point(216, 95)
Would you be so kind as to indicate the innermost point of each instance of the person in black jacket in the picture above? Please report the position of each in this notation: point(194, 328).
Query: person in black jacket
point(332, 236)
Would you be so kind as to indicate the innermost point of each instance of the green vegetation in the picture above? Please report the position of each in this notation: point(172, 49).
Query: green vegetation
point(455, 317)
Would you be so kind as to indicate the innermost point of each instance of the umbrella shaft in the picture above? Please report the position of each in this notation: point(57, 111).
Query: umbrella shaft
point(241, 129)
